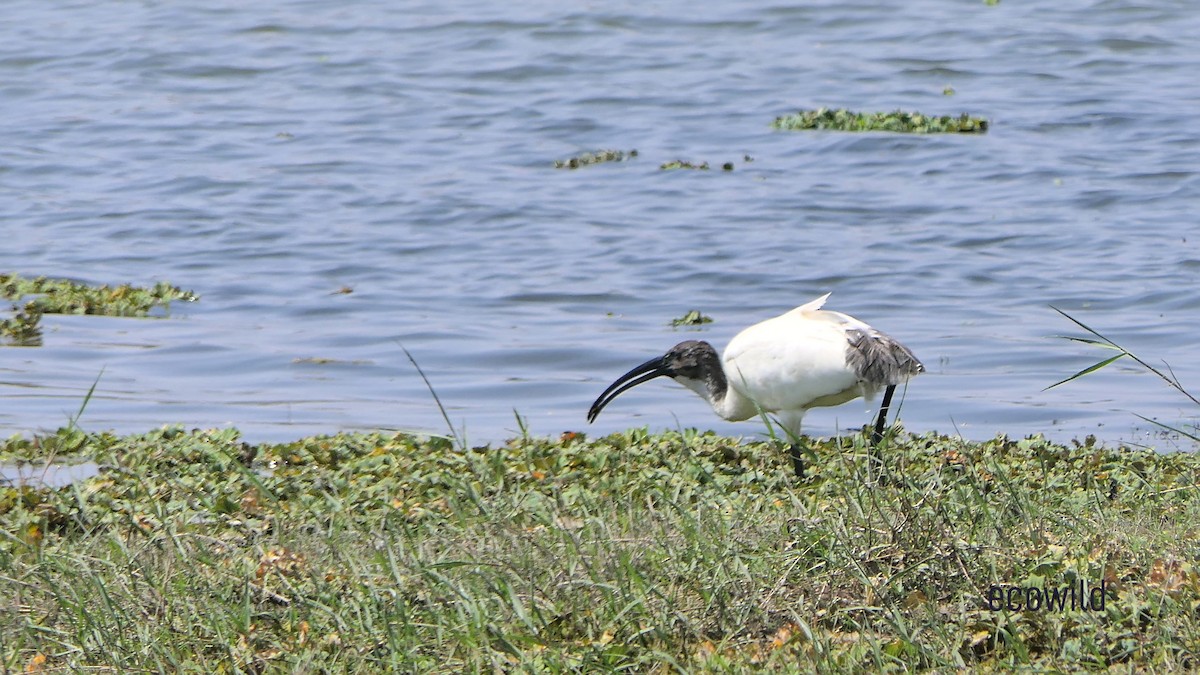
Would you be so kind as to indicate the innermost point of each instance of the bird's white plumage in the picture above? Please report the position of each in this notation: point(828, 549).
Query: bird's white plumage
point(791, 363)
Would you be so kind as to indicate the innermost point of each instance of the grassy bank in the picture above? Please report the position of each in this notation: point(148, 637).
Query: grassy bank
point(689, 552)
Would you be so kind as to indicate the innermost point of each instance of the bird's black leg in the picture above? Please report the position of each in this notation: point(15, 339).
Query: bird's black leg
point(797, 456)
point(883, 411)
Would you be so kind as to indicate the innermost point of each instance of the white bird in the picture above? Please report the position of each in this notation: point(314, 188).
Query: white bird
point(802, 359)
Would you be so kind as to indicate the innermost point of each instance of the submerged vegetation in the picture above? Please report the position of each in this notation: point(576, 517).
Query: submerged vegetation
point(897, 121)
point(681, 164)
point(602, 156)
point(598, 157)
point(679, 552)
point(62, 296)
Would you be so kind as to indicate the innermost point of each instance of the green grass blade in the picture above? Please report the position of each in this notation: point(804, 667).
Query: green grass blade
point(71, 422)
point(460, 443)
point(1089, 341)
point(1083, 325)
point(1109, 344)
point(1090, 369)
point(1168, 427)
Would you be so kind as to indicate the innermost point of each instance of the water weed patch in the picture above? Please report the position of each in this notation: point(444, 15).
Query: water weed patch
point(63, 296)
point(897, 121)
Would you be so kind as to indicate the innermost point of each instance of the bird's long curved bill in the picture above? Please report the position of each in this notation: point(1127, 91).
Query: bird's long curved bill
point(643, 373)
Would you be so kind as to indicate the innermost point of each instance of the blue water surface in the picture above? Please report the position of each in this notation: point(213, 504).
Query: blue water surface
point(269, 155)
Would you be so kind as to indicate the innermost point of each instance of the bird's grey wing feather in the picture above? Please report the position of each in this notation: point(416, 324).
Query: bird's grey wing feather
point(879, 360)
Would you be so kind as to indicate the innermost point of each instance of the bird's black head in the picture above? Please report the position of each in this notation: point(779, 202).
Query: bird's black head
point(691, 359)
point(686, 362)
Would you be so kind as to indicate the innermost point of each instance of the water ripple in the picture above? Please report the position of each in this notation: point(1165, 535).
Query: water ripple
point(269, 156)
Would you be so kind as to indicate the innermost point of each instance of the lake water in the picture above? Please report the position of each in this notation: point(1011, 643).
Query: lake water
point(52, 475)
point(266, 155)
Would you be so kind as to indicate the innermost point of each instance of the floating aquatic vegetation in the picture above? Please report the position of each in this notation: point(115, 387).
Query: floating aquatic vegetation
point(325, 361)
point(898, 121)
point(692, 318)
point(619, 156)
point(62, 296)
point(597, 157)
point(680, 164)
point(24, 328)
point(385, 552)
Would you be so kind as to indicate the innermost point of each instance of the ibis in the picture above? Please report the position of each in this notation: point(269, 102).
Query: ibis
point(805, 358)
